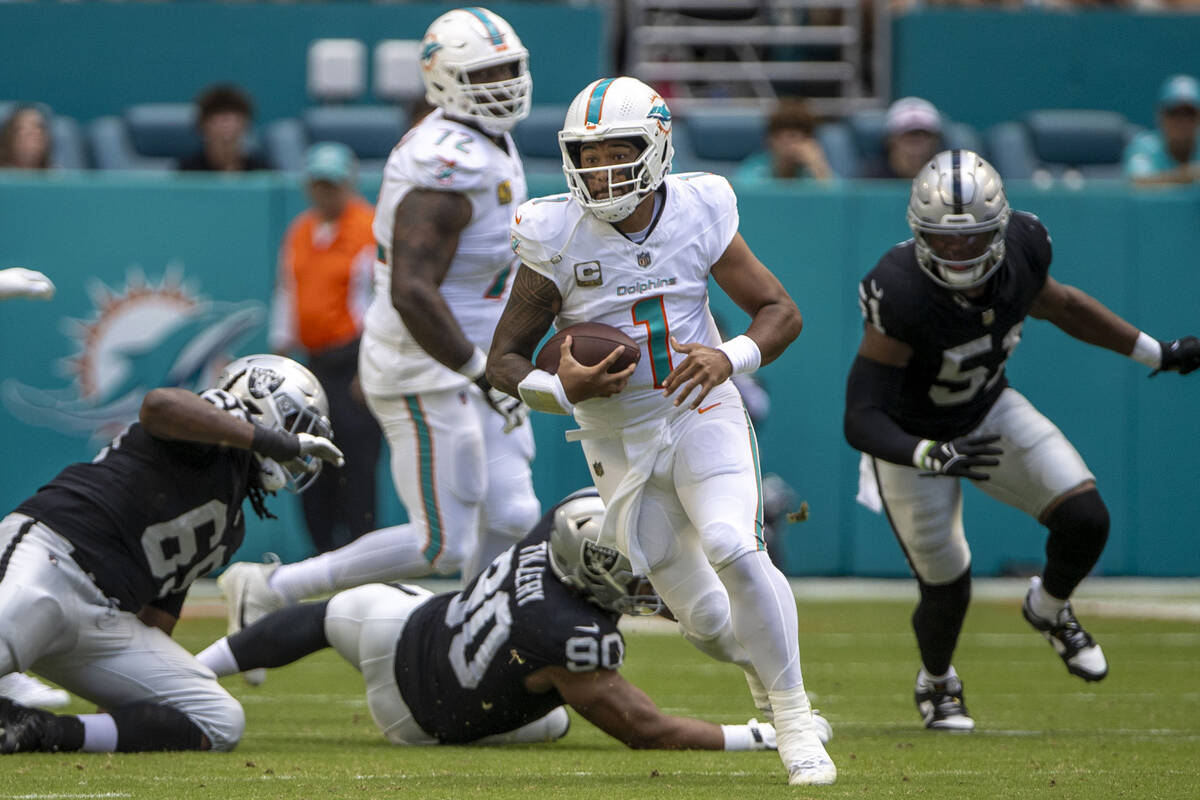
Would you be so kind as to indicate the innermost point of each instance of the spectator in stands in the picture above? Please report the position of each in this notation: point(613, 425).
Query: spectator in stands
point(323, 288)
point(25, 140)
point(224, 113)
point(1172, 153)
point(792, 150)
point(913, 134)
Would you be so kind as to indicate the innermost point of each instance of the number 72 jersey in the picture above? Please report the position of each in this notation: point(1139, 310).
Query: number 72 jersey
point(960, 346)
point(651, 291)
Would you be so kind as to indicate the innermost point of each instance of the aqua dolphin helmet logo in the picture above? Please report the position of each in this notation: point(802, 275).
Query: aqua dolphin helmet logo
point(144, 335)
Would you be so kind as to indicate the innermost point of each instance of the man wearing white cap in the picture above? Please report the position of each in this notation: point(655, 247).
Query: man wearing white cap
point(913, 134)
point(1172, 153)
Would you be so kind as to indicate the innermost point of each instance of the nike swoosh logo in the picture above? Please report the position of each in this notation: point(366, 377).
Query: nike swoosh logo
point(518, 219)
point(707, 408)
point(242, 610)
point(593, 628)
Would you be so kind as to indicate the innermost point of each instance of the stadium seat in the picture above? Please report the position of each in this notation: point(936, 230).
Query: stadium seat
point(536, 137)
point(67, 150)
point(851, 143)
point(148, 136)
point(370, 131)
point(397, 73)
point(1089, 142)
point(717, 142)
point(337, 70)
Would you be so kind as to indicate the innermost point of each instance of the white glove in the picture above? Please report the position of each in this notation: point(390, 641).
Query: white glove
point(507, 406)
point(320, 447)
point(21, 282)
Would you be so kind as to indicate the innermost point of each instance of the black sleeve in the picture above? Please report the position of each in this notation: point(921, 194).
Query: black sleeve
point(867, 425)
point(1036, 240)
point(172, 603)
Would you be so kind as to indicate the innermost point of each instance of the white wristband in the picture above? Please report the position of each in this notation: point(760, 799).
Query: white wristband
point(743, 354)
point(1147, 350)
point(921, 454)
point(738, 737)
point(475, 365)
point(544, 392)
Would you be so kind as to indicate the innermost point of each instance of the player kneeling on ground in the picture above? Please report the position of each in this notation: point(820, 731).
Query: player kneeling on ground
point(95, 566)
point(495, 662)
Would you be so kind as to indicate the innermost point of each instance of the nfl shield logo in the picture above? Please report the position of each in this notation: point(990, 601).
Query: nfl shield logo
point(643, 258)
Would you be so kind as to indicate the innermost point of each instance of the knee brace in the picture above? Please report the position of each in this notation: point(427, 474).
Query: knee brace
point(938, 619)
point(1078, 533)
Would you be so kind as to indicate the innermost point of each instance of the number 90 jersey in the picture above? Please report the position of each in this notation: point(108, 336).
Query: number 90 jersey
point(462, 658)
point(651, 291)
point(960, 346)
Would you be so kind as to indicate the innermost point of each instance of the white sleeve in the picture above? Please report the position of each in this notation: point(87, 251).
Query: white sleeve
point(723, 203)
point(282, 335)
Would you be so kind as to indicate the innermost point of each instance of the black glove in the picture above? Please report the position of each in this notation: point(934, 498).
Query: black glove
point(960, 457)
point(507, 406)
point(1180, 355)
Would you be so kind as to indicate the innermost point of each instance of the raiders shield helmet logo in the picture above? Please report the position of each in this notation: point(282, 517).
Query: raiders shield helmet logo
point(263, 382)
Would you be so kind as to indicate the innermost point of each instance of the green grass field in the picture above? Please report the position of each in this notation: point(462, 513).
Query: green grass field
point(1042, 733)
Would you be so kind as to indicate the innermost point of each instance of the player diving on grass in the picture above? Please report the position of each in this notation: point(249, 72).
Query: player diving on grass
point(928, 402)
point(667, 439)
point(95, 566)
point(495, 662)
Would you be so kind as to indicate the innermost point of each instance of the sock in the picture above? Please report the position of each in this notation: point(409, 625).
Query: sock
point(287, 635)
point(938, 619)
point(144, 727)
point(1078, 533)
point(762, 699)
point(219, 658)
point(1042, 603)
point(490, 545)
point(925, 679)
point(381, 556)
point(763, 614)
point(99, 733)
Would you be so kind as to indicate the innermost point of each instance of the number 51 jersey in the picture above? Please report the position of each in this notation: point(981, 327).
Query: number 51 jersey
point(463, 657)
point(651, 291)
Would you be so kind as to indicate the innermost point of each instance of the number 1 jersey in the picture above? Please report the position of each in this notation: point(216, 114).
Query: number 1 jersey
point(462, 658)
point(651, 291)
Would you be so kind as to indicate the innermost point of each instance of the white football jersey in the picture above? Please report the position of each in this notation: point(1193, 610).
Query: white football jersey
point(445, 155)
point(651, 291)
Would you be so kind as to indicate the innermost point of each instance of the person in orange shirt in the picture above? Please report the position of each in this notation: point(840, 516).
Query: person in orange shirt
point(323, 288)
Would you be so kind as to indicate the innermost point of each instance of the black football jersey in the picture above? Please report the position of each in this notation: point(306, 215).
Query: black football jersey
point(959, 346)
point(463, 657)
point(148, 516)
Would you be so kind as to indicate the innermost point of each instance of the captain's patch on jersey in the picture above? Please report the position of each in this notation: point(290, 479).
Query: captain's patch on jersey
point(588, 274)
point(504, 192)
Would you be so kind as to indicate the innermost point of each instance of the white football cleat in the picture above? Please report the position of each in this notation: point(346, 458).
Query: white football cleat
point(32, 693)
point(249, 598)
point(1074, 645)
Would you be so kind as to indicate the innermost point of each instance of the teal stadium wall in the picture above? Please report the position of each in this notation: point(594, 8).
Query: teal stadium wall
point(985, 67)
point(88, 60)
point(1136, 252)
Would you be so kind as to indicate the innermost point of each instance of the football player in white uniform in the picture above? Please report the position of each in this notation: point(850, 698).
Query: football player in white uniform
point(669, 443)
point(459, 449)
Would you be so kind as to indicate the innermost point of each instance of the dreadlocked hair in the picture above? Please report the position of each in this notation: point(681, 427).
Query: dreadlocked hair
point(258, 498)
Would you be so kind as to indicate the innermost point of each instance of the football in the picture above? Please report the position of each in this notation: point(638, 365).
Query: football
point(591, 342)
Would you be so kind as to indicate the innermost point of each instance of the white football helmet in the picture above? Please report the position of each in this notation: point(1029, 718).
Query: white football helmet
point(463, 41)
point(601, 573)
point(617, 108)
point(280, 393)
point(958, 214)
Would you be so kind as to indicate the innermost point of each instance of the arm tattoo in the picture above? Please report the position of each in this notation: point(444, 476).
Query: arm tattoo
point(425, 234)
point(531, 309)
